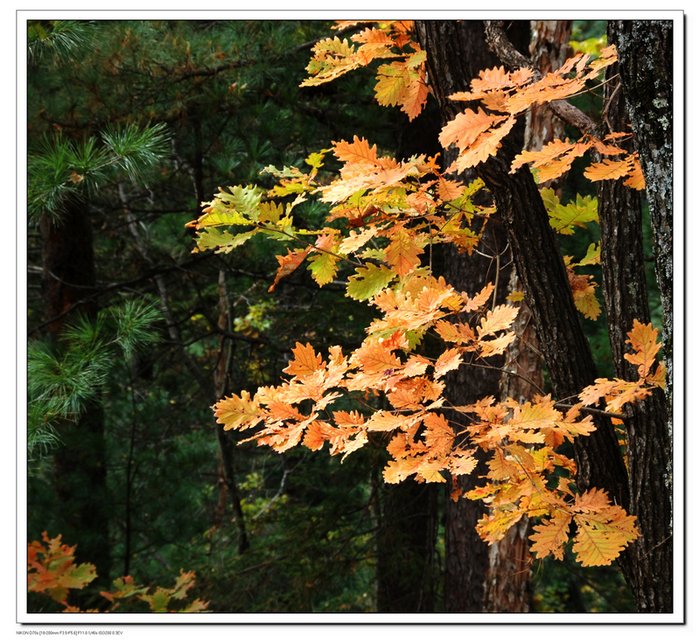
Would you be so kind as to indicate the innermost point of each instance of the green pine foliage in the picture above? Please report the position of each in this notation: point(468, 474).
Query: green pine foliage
point(62, 377)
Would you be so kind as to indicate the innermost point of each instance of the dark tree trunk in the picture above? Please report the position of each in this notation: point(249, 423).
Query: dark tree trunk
point(648, 562)
point(646, 67)
point(508, 586)
point(225, 440)
point(564, 346)
point(405, 548)
point(540, 268)
point(456, 52)
point(80, 477)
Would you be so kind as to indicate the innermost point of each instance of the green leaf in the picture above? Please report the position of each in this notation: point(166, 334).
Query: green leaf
point(368, 281)
point(222, 241)
point(218, 216)
point(564, 218)
point(592, 256)
point(323, 267)
point(244, 199)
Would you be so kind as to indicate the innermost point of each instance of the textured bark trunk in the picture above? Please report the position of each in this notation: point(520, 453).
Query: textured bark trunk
point(548, 51)
point(541, 270)
point(646, 67)
point(648, 563)
point(508, 587)
point(456, 53)
point(80, 477)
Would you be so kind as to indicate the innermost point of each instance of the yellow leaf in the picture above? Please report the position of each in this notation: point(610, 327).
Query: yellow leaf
point(602, 536)
point(492, 528)
point(516, 296)
point(238, 412)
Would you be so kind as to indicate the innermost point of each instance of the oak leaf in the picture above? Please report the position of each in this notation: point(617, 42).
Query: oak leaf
point(642, 338)
point(306, 361)
point(368, 281)
point(550, 536)
point(288, 264)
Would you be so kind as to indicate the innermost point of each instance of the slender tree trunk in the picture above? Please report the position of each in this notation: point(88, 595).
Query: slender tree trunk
point(645, 49)
point(80, 477)
point(206, 388)
point(226, 446)
point(405, 548)
point(649, 560)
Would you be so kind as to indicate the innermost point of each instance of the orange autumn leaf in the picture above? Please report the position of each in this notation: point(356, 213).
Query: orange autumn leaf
point(306, 361)
point(486, 145)
point(550, 536)
point(358, 152)
point(608, 169)
point(478, 300)
point(403, 252)
point(466, 127)
point(553, 160)
point(448, 361)
point(635, 178)
point(642, 338)
point(288, 264)
point(498, 319)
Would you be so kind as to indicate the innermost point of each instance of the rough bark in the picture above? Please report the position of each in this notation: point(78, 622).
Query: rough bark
point(648, 563)
point(548, 51)
point(645, 49)
point(456, 52)
point(79, 461)
point(508, 587)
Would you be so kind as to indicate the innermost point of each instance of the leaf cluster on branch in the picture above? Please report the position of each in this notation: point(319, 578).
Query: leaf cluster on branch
point(383, 218)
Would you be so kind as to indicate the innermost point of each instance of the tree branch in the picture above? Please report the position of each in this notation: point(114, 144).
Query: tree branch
point(500, 45)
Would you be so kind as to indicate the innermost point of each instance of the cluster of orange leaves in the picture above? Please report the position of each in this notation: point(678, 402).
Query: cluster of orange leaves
point(393, 211)
point(400, 82)
point(51, 570)
point(504, 96)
